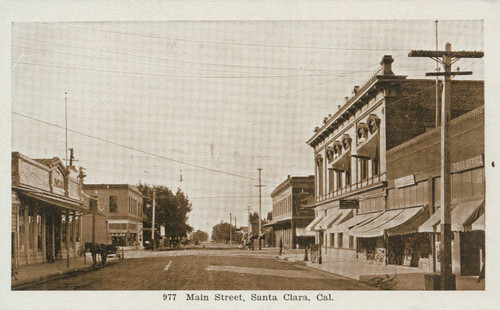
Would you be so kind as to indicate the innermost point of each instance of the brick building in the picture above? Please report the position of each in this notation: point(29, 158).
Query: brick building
point(289, 217)
point(121, 206)
point(360, 187)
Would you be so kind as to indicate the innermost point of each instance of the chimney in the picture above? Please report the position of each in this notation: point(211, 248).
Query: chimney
point(355, 90)
point(325, 120)
point(346, 99)
point(339, 106)
point(387, 65)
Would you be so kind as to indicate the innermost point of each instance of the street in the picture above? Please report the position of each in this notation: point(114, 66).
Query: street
point(202, 270)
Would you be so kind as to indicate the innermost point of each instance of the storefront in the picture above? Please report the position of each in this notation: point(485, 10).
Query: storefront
point(47, 205)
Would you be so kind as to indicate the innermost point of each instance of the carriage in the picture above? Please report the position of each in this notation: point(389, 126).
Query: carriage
point(104, 250)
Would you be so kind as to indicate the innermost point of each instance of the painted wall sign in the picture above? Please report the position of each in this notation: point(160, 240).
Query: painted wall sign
point(348, 204)
point(404, 181)
point(474, 162)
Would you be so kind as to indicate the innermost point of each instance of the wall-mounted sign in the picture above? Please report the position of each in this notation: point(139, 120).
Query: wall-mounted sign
point(404, 181)
point(348, 204)
point(474, 162)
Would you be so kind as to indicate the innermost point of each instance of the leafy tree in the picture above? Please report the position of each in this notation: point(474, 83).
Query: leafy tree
point(220, 232)
point(199, 236)
point(172, 210)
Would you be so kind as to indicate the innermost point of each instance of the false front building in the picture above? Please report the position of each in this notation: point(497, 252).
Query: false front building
point(120, 222)
point(369, 199)
point(47, 206)
point(289, 217)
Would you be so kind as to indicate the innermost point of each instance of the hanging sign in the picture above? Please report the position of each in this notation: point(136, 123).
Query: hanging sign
point(348, 204)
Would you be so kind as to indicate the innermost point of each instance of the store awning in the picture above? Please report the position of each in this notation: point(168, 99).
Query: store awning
point(345, 215)
point(311, 226)
point(302, 232)
point(463, 215)
point(65, 203)
point(369, 147)
point(407, 222)
point(479, 223)
point(356, 220)
point(372, 228)
point(328, 220)
point(343, 161)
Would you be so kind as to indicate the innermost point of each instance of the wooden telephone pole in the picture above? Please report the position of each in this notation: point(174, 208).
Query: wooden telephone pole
point(446, 58)
point(260, 206)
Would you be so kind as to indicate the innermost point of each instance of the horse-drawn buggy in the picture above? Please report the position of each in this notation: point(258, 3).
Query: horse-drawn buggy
point(104, 250)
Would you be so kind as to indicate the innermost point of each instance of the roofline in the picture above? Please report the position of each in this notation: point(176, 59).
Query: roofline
point(112, 186)
point(289, 180)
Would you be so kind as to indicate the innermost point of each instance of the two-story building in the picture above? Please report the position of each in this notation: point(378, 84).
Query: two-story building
point(352, 173)
point(47, 205)
point(122, 208)
point(289, 217)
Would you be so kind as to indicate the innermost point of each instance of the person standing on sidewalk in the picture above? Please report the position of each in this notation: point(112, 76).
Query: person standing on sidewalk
point(281, 246)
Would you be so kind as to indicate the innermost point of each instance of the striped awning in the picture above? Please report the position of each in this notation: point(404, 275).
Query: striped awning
point(463, 215)
point(354, 221)
point(312, 225)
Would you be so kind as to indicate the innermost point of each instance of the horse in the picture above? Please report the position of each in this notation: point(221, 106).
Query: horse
point(101, 249)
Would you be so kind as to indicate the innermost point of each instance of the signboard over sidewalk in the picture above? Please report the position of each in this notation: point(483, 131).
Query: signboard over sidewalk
point(348, 204)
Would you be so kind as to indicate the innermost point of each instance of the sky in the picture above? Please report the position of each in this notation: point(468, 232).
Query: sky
point(209, 101)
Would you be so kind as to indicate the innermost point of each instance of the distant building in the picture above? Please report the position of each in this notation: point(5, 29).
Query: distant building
point(47, 206)
point(122, 207)
point(289, 217)
point(377, 169)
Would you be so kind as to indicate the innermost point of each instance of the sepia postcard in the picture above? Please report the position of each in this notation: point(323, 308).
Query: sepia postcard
point(208, 158)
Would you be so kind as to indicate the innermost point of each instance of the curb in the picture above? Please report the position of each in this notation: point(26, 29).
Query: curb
point(59, 275)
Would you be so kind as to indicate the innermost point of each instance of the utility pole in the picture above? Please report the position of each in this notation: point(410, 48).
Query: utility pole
point(66, 124)
point(153, 224)
point(260, 206)
point(446, 58)
point(230, 228)
point(235, 230)
point(437, 80)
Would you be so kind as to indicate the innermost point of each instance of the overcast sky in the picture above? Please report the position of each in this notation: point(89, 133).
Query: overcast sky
point(211, 101)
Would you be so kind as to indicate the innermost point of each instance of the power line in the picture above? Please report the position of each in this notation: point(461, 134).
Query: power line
point(168, 75)
point(134, 62)
point(171, 59)
point(136, 149)
point(236, 43)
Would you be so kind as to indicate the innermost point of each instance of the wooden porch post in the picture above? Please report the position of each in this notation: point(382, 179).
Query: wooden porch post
point(27, 234)
point(53, 234)
point(44, 235)
point(73, 230)
point(61, 236)
point(35, 234)
point(67, 238)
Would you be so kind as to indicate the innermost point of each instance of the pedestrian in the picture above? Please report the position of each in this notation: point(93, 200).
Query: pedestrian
point(281, 246)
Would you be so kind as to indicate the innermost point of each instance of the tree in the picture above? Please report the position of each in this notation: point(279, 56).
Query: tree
point(220, 232)
point(172, 211)
point(199, 236)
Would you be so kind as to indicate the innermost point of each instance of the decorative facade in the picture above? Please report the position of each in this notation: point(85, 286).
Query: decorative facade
point(357, 206)
point(47, 207)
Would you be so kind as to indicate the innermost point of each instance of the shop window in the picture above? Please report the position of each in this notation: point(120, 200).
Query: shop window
point(39, 231)
point(340, 240)
point(31, 220)
point(22, 231)
point(113, 207)
point(332, 240)
point(351, 242)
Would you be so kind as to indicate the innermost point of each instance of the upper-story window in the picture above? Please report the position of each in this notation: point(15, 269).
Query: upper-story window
point(363, 168)
point(319, 164)
point(113, 206)
point(362, 133)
